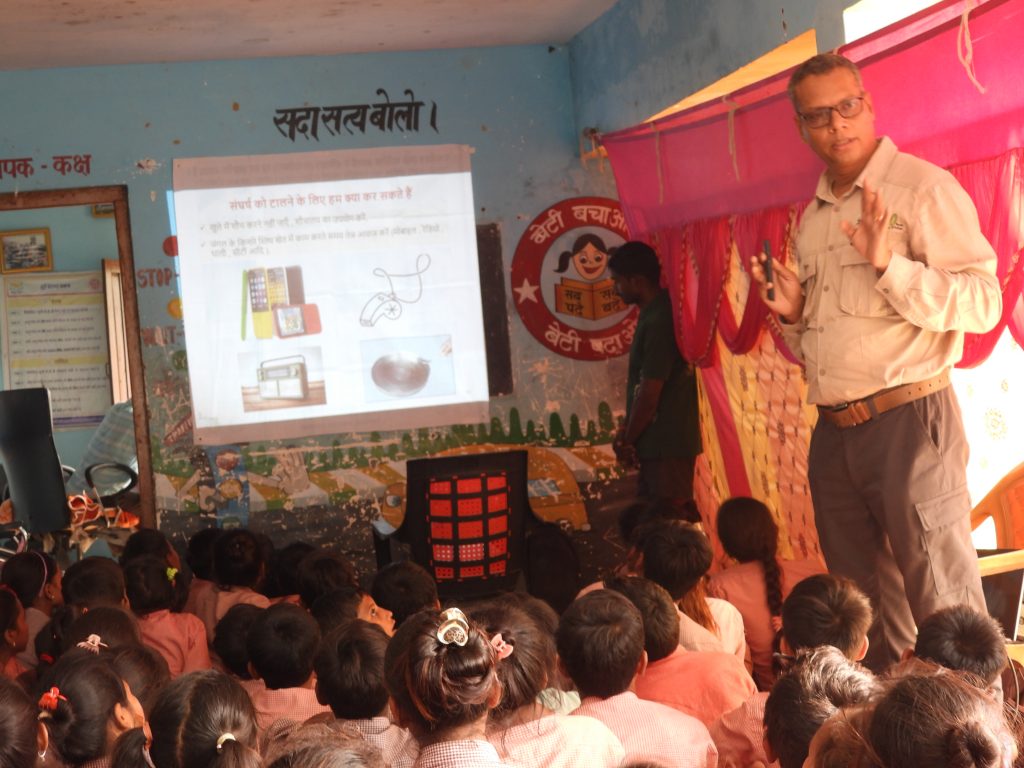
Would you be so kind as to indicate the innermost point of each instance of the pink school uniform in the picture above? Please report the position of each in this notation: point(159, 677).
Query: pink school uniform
point(743, 585)
point(739, 735)
point(468, 753)
point(397, 746)
point(651, 731)
point(179, 637)
point(211, 604)
point(558, 741)
point(297, 704)
point(704, 685)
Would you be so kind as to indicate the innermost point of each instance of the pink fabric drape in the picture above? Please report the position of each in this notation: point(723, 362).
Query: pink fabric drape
point(678, 186)
point(702, 205)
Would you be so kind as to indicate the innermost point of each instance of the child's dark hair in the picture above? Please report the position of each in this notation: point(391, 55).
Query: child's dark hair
point(238, 559)
point(114, 627)
point(678, 556)
point(939, 720)
point(147, 541)
point(661, 621)
point(350, 670)
point(231, 635)
point(18, 726)
point(748, 533)
point(145, 671)
point(537, 609)
point(600, 642)
point(283, 571)
point(439, 685)
point(281, 644)
point(92, 582)
point(321, 572)
point(336, 607)
point(77, 715)
point(150, 583)
point(27, 574)
point(200, 553)
point(826, 609)
point(404, 588)
point(821, 682)
point(201, 720)
point(961, 638)
point(318, 745)
point(10, 610)
point(529, 668)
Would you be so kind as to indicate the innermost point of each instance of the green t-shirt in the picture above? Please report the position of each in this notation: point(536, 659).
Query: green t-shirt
point(675, 431)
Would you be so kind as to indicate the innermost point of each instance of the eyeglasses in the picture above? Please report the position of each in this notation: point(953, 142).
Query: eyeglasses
point(819, 118)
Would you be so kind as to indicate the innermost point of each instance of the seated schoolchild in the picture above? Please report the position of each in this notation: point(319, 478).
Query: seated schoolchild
point(440, 674)
point(179, 637)
point(239, 568)
point(523, 731)
point(341, 605)
point(282, 643)
point(149, 541)
point(350, 680)
point(820, 610)
point(821, 682)
point(36, 579)
point(404, 588)
point(23, 735)
point(600, 645)
point(678, 556)
point(145, 671)
point(320, 572)
point(199, 557)
point(962, 638)
point(282, 584)
point(318, 745)
point(759, 580)
point(14, 636)
point(703, 684)
point(940, 720)
point(230, 652)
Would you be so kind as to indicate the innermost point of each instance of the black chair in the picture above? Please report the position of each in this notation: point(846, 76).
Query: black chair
point(466, 519)
point(35, 478)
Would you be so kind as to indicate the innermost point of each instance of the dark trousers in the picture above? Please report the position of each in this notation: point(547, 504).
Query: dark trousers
point(893, 513)
point(667, 480)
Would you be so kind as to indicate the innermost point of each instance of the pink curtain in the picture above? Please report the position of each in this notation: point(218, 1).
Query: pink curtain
point(709, 185)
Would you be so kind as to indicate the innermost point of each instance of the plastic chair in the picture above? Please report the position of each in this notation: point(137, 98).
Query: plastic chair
point(1005, 505)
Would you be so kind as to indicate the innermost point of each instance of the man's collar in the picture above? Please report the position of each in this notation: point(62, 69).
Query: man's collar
point(873, 172)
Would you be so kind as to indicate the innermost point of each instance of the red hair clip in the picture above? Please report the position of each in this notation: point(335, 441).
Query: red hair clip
point(49, 699)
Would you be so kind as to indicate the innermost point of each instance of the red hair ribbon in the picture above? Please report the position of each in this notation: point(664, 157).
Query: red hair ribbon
point(49, 699)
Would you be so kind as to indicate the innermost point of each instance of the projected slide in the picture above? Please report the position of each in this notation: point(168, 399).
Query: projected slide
point(330, 292)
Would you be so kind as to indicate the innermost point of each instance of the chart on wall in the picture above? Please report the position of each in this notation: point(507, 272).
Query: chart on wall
point(327, 292)
point(55, 336)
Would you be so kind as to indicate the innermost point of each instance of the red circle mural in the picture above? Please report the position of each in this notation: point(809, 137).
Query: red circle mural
point(561, 285)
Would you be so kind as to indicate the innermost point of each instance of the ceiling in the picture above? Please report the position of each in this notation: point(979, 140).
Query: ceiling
point(41, 34)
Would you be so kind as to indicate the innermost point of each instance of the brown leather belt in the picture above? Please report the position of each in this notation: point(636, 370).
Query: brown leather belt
point(857, 412)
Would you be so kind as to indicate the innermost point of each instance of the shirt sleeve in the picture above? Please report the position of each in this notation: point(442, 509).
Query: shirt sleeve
point(950, 282)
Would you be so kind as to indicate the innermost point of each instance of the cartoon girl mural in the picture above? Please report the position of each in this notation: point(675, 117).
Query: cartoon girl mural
point(594, 297)
point(589, 255)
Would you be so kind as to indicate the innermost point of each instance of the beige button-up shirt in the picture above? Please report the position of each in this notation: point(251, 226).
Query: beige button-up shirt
point(861, 332)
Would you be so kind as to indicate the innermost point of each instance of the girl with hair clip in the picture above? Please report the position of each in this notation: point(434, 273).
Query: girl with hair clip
point(759, 581)
point(36, 580)
point(941, 721)
point(524, 732)
point(86, 708)
point(200, 720)
point(15, 636)
point(440, 674)
point(179, 637)
point(22, 736)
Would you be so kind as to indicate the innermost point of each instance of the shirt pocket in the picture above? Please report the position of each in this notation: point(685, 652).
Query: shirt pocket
point(857, 294)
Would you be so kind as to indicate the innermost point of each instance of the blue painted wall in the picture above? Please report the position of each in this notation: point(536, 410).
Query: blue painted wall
point(645, 55)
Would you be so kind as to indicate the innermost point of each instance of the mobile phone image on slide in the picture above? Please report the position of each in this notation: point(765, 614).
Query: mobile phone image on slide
point(259, 303)
point(296, 320)
point(277, 287)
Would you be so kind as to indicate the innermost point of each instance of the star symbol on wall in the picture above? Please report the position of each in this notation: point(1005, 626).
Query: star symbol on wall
point(527, 292)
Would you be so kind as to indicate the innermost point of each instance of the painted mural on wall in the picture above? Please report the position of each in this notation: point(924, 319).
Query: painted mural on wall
point(564, 293)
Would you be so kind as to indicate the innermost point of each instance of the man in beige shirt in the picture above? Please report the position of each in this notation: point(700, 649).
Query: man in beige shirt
point(891, 269)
